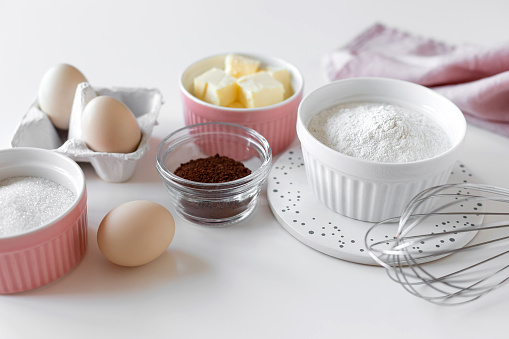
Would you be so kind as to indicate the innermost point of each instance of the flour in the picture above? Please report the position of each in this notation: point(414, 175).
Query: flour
point(379, 132)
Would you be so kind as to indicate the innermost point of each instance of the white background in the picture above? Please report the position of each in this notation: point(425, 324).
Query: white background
point(252, 280)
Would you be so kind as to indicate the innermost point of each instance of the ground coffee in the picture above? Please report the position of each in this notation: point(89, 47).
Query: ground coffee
point(213, 169)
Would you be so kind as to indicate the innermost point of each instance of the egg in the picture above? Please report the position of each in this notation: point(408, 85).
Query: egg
point(135, 233)
point(109, 126)
point(56, 93)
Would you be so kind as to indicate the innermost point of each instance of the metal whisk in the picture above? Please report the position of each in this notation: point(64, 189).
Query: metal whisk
point(467, 269)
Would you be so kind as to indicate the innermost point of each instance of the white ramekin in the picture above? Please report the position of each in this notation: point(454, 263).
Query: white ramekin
point(373, 191)
point(37, 257)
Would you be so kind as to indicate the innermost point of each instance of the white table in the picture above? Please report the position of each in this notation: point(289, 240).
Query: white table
point(252, 280)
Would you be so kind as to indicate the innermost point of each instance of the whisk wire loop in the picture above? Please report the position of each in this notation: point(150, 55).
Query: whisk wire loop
point(466, 270)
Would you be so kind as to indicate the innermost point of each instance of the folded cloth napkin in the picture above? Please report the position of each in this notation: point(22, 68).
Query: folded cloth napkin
point(476, 79)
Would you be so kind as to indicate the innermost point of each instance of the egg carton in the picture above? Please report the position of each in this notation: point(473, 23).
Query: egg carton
point(36, 130)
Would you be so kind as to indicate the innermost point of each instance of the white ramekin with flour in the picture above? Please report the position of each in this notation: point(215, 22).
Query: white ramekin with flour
point(378, 188)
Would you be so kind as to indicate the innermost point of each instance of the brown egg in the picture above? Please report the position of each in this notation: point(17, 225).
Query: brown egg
point(56, 93)
point(135, 233)
point(109, 126)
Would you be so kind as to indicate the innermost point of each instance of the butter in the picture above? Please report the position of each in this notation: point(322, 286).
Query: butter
point(236, 104)
point(259, 90)
point(238, 66)
point(283, 76)
point(216, 87)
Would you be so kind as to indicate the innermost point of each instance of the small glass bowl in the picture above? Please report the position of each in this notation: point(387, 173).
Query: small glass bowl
point(214, 204)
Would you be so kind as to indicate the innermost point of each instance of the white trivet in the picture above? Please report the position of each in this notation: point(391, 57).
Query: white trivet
point(298, 210)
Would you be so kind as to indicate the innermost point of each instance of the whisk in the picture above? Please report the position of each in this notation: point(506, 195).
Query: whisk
point(467, 269)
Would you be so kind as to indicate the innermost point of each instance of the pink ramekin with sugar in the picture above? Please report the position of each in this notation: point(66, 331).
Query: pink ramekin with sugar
point(277, 123)
point(39, 256)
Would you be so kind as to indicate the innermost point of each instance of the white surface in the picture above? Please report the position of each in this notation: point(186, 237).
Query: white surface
point(294, 205)
point(253, 280)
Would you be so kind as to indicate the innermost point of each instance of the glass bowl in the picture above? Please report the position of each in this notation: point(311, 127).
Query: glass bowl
point(214, 204)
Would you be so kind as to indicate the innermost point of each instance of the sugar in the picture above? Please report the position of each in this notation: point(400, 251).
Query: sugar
point(30, 202)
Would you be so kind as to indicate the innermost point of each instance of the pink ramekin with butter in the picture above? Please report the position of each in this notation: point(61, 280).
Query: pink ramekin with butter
point(277, 123)
point(41, 255)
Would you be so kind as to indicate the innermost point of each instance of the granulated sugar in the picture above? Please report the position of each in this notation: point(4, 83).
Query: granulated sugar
point(30, 202)
point(379, 132)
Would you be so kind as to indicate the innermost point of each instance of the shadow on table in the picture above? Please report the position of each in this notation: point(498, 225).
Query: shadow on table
point(96, 275)
point(146, 167)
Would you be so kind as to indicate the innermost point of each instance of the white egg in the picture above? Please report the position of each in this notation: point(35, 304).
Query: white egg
point(56, 93)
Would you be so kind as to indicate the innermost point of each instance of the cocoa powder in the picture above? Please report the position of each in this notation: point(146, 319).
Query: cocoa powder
point(213, 169)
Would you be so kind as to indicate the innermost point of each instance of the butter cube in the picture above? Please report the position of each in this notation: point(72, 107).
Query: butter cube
point(216, 87)
point(283, 76)
point(236, 104)
point(259, 90)
point(238, 66)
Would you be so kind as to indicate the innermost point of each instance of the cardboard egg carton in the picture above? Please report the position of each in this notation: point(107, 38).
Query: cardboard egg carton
point(36, 130)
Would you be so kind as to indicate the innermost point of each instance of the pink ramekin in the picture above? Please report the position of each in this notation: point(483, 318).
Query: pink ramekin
point(37, 257)
point(276, 122)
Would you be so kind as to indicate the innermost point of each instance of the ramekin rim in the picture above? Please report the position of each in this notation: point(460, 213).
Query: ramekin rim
point(81, 194)
point(261, 171)
point(293, 97)
point(301, 128)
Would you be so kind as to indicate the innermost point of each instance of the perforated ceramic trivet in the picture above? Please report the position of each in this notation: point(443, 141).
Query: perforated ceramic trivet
point(308, 220)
